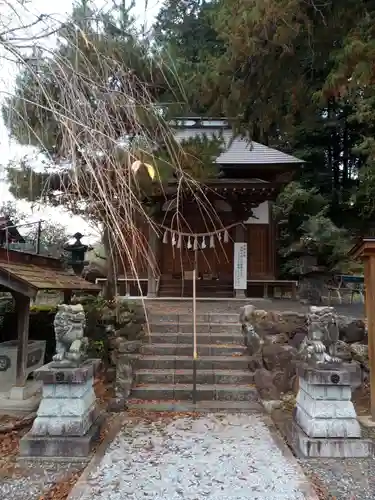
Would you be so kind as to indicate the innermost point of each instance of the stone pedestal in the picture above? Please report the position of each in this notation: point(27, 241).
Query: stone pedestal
point(325, 422)
point(68, 419)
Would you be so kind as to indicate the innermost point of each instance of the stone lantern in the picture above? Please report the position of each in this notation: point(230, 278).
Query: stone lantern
point(77, 251)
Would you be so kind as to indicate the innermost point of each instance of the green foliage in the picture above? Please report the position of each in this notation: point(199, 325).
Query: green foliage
point(195, 157)
point(186, 36)
point(295, 74)
point(104, 318)
point(305, 229)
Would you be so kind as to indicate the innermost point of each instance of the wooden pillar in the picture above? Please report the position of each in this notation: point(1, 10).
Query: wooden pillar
point(23, 315)
point(240, 236)
point(366, 251)
point(272, 241)
point(152, 265)
point(370, 315)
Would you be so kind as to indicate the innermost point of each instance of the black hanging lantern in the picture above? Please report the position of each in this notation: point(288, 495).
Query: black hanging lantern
point(77, 251)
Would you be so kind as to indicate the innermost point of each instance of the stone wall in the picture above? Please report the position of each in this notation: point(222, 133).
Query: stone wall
point(125, 346)
point(273, 339)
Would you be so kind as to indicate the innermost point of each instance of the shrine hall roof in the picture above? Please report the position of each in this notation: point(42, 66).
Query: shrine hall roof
point(239, 150)
point(28, 278)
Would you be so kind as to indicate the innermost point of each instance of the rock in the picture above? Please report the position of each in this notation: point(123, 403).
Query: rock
point(289, 322)
point(278, 338)
point(246, 314)
point(268, 329)
point(256, 362)
point(254, 346)
point(351, 330)
point(124, 376)
point(264, 383)
point(278, 357)
point(128, 346)
point(260, 314)
point(117, 405)
point(131, 331)
point(282, 381)
point(110, 374)
point(139, 317)
point(295, 384)
point(273, 323)
point(252, 339)
point(298, 337)
point(360, 354)
point(343, 351)
point(356, 374)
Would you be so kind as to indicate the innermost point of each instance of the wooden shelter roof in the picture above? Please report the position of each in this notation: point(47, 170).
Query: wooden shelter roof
point(27, 274)
point(363, 248)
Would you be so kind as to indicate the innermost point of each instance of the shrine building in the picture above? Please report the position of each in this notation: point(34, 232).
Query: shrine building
point(224, 229)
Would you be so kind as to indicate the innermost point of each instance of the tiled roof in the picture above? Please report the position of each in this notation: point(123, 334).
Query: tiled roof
point(40, 278)
point(239, 151)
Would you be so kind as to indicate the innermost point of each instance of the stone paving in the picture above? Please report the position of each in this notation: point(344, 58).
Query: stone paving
point(213, 456)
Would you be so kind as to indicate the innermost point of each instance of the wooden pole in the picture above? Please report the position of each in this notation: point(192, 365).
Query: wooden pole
point(194, 339)
point(370, 314)
point(152, 262)
point(39, 232)
point(110, 288)
point(23, 315)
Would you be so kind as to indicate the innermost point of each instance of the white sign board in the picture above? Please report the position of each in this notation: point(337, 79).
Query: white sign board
point(240, 266)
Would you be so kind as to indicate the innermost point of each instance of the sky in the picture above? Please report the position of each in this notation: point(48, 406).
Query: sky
point(144, 11)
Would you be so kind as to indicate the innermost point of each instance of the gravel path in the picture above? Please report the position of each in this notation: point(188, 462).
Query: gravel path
point(350, 479)
point(214, 456)
point(32, 481)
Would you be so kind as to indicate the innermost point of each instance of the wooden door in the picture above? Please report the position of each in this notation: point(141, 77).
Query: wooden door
point(258, 249)
point(216, 261)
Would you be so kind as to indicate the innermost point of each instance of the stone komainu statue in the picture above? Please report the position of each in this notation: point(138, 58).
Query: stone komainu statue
point(69, 325)
point(320, 345)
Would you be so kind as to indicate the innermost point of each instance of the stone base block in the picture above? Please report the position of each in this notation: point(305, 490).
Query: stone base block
point(30, 389)
point(20, 401)
point(67, 448)
point(307, 447)
point(19, 407)
point(327, 427)
point(324, 409)
point(65, 425)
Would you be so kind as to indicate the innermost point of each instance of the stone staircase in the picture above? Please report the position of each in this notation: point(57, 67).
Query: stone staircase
point(164, 375)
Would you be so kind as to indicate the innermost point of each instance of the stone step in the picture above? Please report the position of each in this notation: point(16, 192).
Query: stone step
point(202, 338)
point(204, 392)
point(186, 377)
point(214, 406)
point(201, 327)
point(153, 362)
point(187, 349)
point(214, 318)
